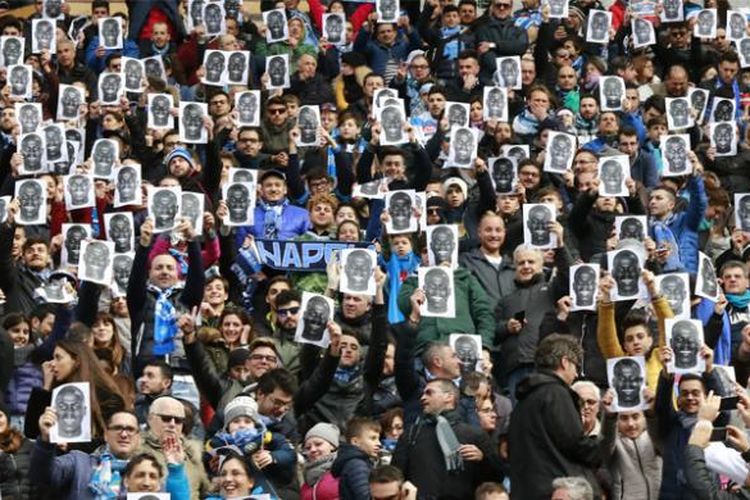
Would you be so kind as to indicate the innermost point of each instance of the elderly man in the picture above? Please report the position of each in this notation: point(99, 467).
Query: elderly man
point(166, 420)
point(311, 82)
point(70, 475)
point(156, 294)
point(499, 36)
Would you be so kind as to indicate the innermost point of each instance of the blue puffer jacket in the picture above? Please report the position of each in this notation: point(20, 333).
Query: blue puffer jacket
point(684, 225)
point(26, 376)
point(378, 54)
point(295, 221)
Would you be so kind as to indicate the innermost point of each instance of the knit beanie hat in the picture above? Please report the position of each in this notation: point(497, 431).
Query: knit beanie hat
point(241, 406)
point(180, 152)
point(326, 432)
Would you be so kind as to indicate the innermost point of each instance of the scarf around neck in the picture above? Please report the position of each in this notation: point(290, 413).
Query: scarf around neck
point(273, 218)
point(165, 320)
point(314, 470)
point(739, 301)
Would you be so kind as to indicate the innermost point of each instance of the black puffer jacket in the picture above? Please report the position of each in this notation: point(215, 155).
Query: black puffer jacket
point(15, 480)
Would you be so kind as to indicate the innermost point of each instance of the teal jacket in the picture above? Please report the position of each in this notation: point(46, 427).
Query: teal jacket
point(474, 314)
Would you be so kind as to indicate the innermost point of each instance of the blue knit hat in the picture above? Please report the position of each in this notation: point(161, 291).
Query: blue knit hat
point(180, 152)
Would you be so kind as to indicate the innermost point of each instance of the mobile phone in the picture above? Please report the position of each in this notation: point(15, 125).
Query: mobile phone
point(520, 316)
point(729, 403)
point(719, 434)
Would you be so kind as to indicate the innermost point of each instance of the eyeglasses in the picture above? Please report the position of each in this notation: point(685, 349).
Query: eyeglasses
point(288, 311)
point(171, 418)
point(276, 111)
point(119, 429)
point(264, 357)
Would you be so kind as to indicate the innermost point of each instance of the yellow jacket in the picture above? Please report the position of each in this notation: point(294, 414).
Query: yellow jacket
point(609, 345)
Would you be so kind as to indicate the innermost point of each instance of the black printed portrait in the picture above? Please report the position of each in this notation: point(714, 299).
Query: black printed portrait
point(104, 157)
point(109, 87)
point(160, 111)
point(236, 65)
point(73, 238)
point(724, 110)
point(560, 149)
point(164, 209)
point(437, 290)
point(192, 122)
point(400, 211)
point(458, 116)
point(63, 167)
point(632, 228)
point(516, 154)
point(247, 107)
point(30, 197)
point(672, 10)
point(196, 12)
point(599, 27)
point(467, 351)
point(673, 289)
point(723, 137)
point(215, 62)
point(584, 286)
point(494, 104)
point(642, 30)
point(12, 51)
point(442, 244)
point(307, 121)
point(191, 209)
point(133, 75)
point(538, 223)
point(708, 277)
point(53, 290)
point(275, 22)
point(463, 145)
point(706, 23)
point(685, 344)
point(613, 93)
point(503, 173)
point(53, 8)
point(334, 29)
point(744, 49)
point(232, 7)
point(743, 212)
point(111, 32)
point(44, 34)
point(3, 209)
point(387, 9)
point(679, 113)
point(243, 175)
point(238, 203)
point(315, 317)
point(96, 259)
point(53, 139)
point(121, 268)
point(127, 185)
point(509, 73)
point(71, 409)
point(626, 270)
point(675, 152)
point(277, 71)
point(392, 123)
point(120, 231)
point(557, 8)
point(358, 270)
point(611, 177)
point(79, 190)
point(153, 68)
point(627, 380)
point(32, 149)
point(737, 26)
point(71, 100)
point(213, 15)
point(19, 81)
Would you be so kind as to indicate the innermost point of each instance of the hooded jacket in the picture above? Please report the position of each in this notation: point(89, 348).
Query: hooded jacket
point(547, 439)
point(352, 468)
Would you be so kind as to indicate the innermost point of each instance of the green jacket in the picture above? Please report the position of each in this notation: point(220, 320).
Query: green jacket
point(473, 312)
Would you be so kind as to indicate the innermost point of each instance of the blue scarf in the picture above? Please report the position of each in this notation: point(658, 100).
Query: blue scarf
point(345, 375)
point(165, 321)
point(398, 269)
point(739, 301)
point(452, 45)
point(106, 477)
point(662, 234)
point(272, 218)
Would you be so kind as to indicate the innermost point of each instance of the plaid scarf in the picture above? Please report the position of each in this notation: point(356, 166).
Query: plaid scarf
point(272, 218)
point(165, 321)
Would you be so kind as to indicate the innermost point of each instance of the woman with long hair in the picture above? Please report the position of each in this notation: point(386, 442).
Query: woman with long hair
point(234, 331)
point(15, 459)
point(74, 361)
point(104, 334)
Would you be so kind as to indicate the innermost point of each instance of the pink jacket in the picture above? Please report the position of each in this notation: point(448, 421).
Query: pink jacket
point(325, 489)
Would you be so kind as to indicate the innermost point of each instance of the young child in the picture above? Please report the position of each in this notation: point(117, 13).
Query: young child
point(656, 128)
point(356, 457)
point(402, 263)
point(26, 374)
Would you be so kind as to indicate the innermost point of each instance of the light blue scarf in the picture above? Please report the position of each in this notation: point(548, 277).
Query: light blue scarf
point(272, 218)
point(165, 321)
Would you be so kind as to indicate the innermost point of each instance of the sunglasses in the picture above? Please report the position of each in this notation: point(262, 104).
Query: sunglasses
point(288, 311)
point(276, 111)
point(171, 418)
point(502, 6)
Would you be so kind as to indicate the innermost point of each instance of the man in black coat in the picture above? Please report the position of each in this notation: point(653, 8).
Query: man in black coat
point(546, 435)
point(454, 465)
